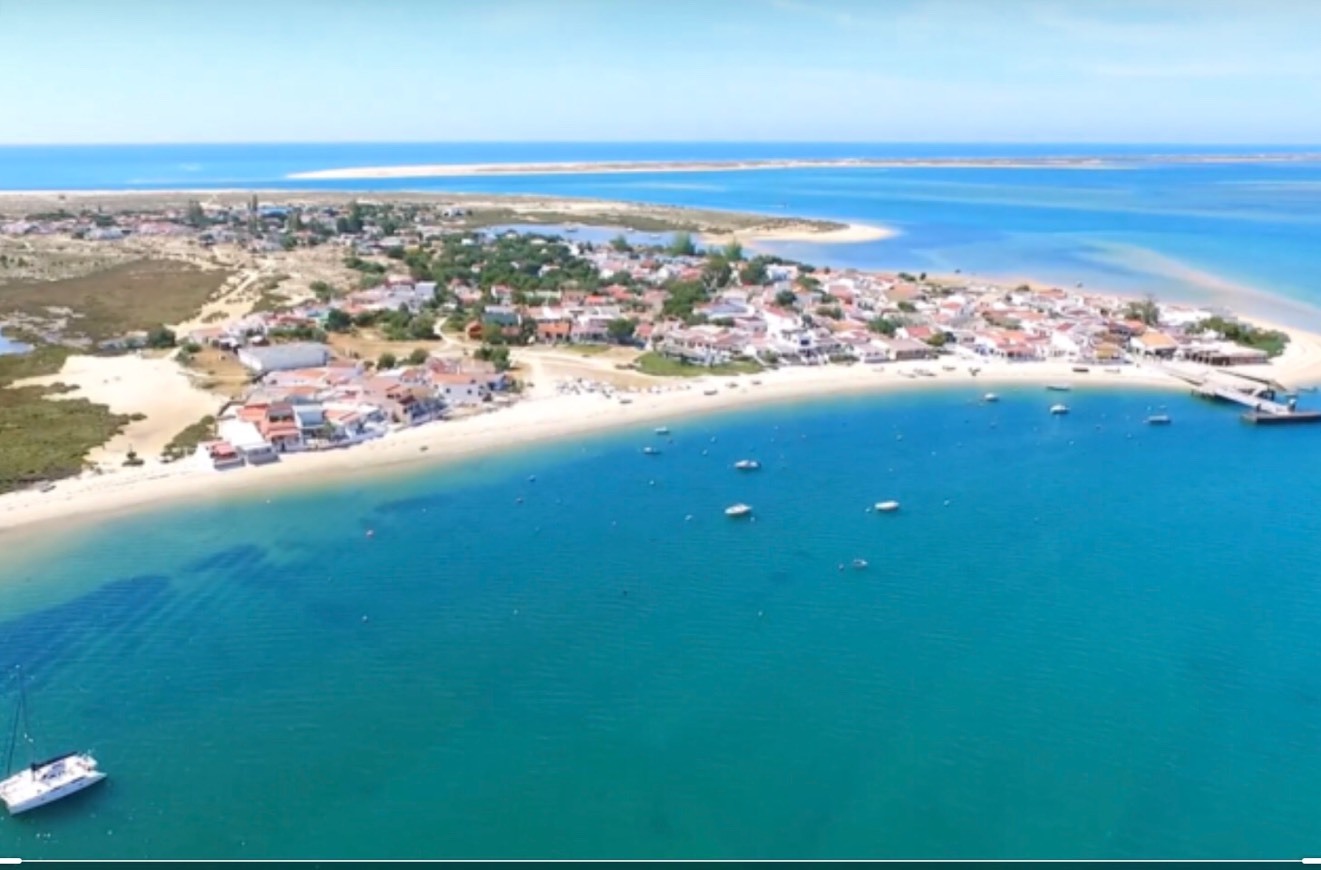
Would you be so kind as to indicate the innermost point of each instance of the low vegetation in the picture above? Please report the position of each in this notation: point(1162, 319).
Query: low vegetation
point(132, 296)
point(1270, 340)
point(656, 364)
point(185, 443)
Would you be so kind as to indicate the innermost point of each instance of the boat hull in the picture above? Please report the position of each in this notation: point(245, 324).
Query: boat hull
point(61, 791)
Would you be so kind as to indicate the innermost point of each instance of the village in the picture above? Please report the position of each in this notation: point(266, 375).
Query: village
point(475, 298)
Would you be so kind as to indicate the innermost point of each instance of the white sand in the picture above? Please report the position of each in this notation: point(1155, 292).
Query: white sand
point(849, 233)
point(157, 387)
point(533, 421)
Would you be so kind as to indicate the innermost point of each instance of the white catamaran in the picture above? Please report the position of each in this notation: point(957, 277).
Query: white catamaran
point(43, 782)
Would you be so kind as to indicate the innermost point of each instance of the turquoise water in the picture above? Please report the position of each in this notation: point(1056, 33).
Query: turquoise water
point(1103, 645)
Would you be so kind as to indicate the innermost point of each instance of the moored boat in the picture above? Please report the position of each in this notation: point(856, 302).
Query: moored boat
point(738, 510)
point(1059, 409)
point(1059, 388)
point(662, 430)
point(651, 451)
point(1159, 420)
point(43, 782)
point(887, 506)
point(990, 397)
point(747, 465)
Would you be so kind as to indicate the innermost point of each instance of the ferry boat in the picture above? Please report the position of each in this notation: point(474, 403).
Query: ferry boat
point(738, 510)
point(887, 506)
point(1059, 409)
point(747, 465)
point(43, 782)
point(1159, 420)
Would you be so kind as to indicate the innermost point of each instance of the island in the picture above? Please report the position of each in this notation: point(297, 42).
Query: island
point(173, 344)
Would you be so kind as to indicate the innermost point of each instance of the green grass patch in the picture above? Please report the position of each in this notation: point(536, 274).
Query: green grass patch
point(652, 363)
point(185, 443)
point(48, 439)
point(124, 298)
point(46, 359)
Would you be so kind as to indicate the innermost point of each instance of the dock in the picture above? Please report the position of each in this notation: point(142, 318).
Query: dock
point(1258, 395)
point(1261, 404)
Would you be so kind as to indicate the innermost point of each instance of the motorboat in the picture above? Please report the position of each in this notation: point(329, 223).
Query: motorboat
point(859, 564)
point(1059, 409)
point(1159, 420)
point(747, 465)
point(990, 397)
point(1059, 388)
point(887, 506)
point(738, 510)
point(662, 430)
point(651, 451)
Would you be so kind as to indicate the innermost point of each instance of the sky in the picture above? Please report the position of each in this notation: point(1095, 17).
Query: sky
point(157, 71)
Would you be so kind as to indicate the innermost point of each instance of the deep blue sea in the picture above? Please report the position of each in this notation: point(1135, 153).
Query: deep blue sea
point(1079, 637)
point(1243, 234)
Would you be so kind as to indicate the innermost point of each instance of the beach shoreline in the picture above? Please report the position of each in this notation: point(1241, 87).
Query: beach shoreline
point(533, 421)
point(615, 167)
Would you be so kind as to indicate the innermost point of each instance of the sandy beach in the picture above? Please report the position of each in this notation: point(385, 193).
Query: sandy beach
point(547, 416)
point(442, 170)
point(849, 234)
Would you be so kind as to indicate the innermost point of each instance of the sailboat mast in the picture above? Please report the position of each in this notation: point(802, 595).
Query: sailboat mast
point(19, 715)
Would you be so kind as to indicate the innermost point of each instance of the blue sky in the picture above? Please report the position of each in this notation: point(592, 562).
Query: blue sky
point(578, 70)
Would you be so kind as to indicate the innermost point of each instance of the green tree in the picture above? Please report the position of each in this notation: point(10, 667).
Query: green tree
point(621, 330)
point(323, 291)
point(160, 337)
point(733, 252)
point(938, 339)
point(681, 245)
point(195, 216)
point(906, 306)
point(422, 326)
point(338, 320)
point(786, 299)
point(418, 356)
point(753, 272)
point(620, 244)
point(716, 273)
point(387, 360)
point(883, 325)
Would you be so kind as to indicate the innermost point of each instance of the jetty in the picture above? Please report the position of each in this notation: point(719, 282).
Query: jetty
point(1258, 395)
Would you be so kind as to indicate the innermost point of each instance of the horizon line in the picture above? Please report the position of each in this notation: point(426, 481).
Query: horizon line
point(529, 142)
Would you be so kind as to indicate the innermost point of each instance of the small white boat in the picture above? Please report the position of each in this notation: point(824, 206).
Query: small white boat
point(887, 506)
point(48, 781)
point(651, 451)
point(990, 397)
point(859, 564)
point(1059, 409)
point(747, 465)
point(738, 510)
point(44, 782)
point(662, 430)
point(1159, 420)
